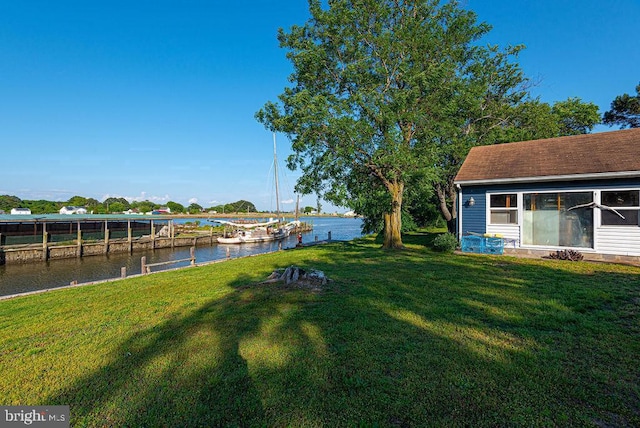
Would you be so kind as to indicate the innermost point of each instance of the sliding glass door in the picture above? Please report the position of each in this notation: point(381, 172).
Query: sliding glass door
point(562, 219)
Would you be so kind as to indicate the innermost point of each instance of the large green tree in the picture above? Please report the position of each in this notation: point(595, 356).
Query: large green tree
point(77, 201)
point(194, 208)
point(175, 207)
point(111, 200)
point(625, 111)
point(382, 91)
point(8, 202)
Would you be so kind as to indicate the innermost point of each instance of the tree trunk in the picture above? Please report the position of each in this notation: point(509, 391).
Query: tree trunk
point(393, 219)
point(447, 203)
point(453, 197)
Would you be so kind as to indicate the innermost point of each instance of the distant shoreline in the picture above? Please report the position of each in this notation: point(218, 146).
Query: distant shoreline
point(250, 215)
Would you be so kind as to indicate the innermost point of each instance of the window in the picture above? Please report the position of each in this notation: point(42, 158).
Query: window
point(504, 209)
point(625, 202)
point(559, 219)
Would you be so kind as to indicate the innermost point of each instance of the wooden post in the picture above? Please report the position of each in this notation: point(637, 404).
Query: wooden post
point(106, 237)
point(143, 265)
point(45, 239)
point(228, 253)
point(129, 236)
point(123, 272)
point(192, 252)
point(153, 236)
point(79, 250)
point(316, 238)
point(280, 246)
point(172, 232)
point(329, 235)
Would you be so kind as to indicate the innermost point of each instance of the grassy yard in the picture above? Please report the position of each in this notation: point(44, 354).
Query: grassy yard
point(410, 338)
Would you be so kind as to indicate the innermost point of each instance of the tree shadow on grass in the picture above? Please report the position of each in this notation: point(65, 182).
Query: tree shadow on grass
point(534, 339)
point(186, 371)
point(465, 341)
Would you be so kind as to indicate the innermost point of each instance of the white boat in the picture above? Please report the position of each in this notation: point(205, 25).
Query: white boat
point(241, 233)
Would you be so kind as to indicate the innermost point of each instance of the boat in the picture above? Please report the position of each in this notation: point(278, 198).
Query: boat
point(242, 233)
point(272, 230)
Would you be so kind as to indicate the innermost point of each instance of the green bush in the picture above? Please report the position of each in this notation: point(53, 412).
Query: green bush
point(446, 242)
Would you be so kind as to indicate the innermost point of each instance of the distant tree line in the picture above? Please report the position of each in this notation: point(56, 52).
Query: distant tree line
point(117, 205)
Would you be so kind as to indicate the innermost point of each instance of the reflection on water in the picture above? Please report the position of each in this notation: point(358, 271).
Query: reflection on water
point(19, 278)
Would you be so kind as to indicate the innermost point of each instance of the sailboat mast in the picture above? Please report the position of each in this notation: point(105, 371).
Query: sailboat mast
point(275, 170)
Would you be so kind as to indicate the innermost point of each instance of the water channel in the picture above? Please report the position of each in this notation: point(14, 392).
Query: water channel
point(20, 278)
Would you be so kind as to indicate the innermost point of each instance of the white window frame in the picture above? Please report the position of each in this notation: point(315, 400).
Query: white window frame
point(516, 209)
point(620, 209)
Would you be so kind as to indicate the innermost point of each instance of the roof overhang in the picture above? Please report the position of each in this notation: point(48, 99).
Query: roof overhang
point(547, 178)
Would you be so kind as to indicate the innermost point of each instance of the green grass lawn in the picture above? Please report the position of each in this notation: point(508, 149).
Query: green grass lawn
point(410, 338)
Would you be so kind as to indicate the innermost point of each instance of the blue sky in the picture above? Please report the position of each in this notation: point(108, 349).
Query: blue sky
point(154, 99)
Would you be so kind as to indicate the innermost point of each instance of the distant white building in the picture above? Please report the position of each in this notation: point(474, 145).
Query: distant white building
point(20, 211)
point(73, 210)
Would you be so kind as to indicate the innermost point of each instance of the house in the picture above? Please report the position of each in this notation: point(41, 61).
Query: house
point(579, 192)
point(73, 210)
point(162, 211)
point(20, 211)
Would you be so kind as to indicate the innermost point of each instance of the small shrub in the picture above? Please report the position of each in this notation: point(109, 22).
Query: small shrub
point(446, 242)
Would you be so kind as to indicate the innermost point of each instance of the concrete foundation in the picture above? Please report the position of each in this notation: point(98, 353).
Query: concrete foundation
point(593, 257)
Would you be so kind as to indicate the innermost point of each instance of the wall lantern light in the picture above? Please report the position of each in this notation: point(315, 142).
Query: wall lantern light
point(472, 201)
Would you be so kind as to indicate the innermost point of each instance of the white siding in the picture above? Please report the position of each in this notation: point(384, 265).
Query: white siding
point(510, 233)
point(624, 241)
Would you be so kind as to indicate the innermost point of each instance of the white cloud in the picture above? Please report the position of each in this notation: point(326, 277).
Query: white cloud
point(193, 201)
point(287, 201)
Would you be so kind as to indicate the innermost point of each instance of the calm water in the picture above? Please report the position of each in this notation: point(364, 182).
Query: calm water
point(56, 273)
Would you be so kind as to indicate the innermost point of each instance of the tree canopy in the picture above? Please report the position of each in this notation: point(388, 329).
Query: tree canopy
point(8, 202)
point(235, 207)
point(387, 98)
point(194, 208)
point(625, 111)
point(380, 87)
point(175, 207)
